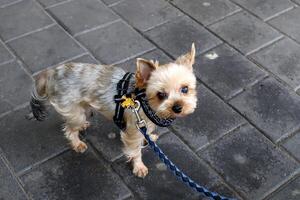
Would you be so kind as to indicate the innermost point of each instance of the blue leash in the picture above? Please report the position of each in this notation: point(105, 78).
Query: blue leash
point(141, 125)
point(183, 177)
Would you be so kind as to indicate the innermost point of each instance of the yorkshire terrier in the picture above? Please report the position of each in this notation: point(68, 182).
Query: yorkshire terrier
point(74, 88)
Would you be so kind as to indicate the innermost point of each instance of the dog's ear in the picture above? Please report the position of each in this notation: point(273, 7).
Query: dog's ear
point(144, 69)
point(187, 59)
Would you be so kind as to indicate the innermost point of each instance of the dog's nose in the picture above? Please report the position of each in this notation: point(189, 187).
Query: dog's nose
point(177, 108)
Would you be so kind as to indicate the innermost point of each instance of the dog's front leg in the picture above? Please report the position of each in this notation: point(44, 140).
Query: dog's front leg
point(133, 142)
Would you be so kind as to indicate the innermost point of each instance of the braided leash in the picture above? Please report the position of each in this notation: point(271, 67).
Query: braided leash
point(141, 126)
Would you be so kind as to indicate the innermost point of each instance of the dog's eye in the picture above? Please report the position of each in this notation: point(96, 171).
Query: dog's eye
point(184, 90)
point(162, 95)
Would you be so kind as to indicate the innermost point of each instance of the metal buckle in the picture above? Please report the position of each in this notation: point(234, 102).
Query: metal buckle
point(139, 122)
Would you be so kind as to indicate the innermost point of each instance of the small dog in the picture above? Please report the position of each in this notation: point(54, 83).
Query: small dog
point(73, 88)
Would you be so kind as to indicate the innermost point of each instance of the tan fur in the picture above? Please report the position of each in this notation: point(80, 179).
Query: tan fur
point(74, 88)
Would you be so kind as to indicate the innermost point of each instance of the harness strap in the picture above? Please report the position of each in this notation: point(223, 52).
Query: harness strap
point(122, 88)
point(140, 95)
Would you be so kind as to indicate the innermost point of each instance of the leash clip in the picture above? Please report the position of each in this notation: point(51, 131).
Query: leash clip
point(139, 121)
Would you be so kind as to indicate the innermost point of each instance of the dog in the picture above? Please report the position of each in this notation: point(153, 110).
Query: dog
point(74, 88)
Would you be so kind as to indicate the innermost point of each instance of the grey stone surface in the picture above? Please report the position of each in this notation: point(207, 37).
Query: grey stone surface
point(292, 145)
point(85, 59)
point(15, 85)
point(145, 14)
point(290, 191)
point(212, 119)
point(21, 18)
point(30, 141)
point(9, 187)
point(115, 43)
point(5, 105)
point(111, 2)
point(226, 71)
point(5, 55)
point(249, 162)
point(47, 3)
point(105, 136)
point(239, 161)
point(245, 32)
point(74, 176)
point(282, 59)
point(156, 54)
point(207, 12)
point(4, 3)
point(42, 53)
point(187, 32)
point(80, 15)
point(266, 8)
point(270, 107)
point(160, 179)
point(288, 23)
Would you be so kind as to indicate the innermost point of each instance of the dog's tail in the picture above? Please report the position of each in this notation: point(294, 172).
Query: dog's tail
point(39, 96)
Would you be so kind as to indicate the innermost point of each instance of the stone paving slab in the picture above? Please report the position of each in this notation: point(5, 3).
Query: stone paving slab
point(105, 137)
point(246, 66)
point(249, 162)
point(111, 2)
point(79, 15)
point(4, 3)
point(6, 106)
point(15, 23)
point(9, 187)
point(73, 176)
point(187, 31)
point(146, 14)
point(292, 145)
point(85, 59)
point(117, 42)
point(162, 184)
point(15, 86)
point(267, 8)
point(245, 32)
point(156, 54)
point(270, 107)
point(216, 69)
point(288, 23)
point(42, 53)
point(212, 119)
point(290, 191)
point(5, 55)
point(30, 142)
point(282, 59)
point(47, 3)
point(207, 12)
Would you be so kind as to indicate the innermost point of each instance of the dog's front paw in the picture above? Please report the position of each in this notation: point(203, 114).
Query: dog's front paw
point(153, 137)
point(80, 148)
point(140, 170)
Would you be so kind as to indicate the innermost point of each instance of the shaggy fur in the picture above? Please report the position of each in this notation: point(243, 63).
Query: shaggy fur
point(73, 88)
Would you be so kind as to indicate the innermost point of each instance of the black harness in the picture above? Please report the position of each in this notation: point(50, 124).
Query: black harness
point(126, 88)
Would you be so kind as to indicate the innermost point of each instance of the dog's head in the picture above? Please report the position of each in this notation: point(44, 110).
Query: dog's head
point(170, 88)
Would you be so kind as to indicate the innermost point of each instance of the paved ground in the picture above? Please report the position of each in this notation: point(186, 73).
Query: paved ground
point(243, 140)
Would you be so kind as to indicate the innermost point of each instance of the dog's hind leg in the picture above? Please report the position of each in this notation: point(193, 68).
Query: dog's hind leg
point(75, 121)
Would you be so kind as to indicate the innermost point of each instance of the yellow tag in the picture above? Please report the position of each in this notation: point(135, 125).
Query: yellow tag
point(128, 102)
